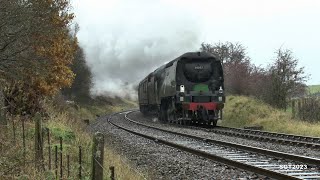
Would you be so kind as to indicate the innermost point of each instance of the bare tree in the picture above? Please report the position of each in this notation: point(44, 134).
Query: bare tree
point(286, 78)
point(23, 26)
point(14, 32)
point(236, 65)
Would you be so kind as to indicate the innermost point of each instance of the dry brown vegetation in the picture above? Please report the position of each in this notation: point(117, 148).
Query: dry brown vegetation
point(68, 124)
point(276, 84)
point(243, 111)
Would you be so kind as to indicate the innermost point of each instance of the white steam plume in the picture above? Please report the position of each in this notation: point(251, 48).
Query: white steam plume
point(124, 42)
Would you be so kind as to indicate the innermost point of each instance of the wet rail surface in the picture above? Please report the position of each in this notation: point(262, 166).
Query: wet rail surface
point(281, 138)
point(259, 135)
point(265, 162)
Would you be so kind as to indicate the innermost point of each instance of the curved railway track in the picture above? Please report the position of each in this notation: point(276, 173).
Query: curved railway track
point(265, 162)
point(280, 138)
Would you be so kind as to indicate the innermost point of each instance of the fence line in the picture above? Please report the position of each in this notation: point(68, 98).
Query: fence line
point(54, 160)
point(100, 165)
point(135, 170)
point(306, 108)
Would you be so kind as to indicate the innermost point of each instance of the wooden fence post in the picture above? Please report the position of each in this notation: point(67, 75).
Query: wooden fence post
point(3, 109)
point(56, 160)
point(61, 159)
point(112, 173)
point(3, 118)
point(38, 141)
point(49, 149)
point(24, 141)
point(293, 106)
point(97, 156)
point(299, 109)
point(303, 105)
point(80, 162)
point(13, 130)
point(68, 166)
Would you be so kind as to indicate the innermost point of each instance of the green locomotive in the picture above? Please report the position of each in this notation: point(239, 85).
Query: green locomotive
point(188, 89)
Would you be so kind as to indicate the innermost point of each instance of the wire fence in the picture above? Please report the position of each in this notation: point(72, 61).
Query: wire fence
point(306, 109)
point(54, 155)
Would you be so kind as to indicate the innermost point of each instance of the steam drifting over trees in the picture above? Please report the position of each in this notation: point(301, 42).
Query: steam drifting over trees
point(80, 88)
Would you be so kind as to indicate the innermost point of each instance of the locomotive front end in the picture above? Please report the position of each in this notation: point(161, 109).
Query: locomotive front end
point(200, 92)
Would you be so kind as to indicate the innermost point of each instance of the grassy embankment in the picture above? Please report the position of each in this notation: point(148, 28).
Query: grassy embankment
point(243, 111)
point(101, 106)
point(314, 89)
point(63, 121)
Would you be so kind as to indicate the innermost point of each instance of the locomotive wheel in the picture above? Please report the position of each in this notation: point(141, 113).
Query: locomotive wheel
point(163, 114)
point(171, 114)
point(214, 123)
point(205, 116)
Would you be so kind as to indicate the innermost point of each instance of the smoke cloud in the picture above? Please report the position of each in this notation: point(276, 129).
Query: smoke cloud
point(124, 42)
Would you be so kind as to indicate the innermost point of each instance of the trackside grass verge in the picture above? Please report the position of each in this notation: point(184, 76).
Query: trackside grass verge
point(314, 89)
point(243, 111)
point(63, 121)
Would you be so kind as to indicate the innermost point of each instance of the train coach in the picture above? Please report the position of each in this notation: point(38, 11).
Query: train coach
point(188, 89)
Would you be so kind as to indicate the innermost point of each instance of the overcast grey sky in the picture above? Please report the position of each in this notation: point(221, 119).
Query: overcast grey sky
point(124, 40)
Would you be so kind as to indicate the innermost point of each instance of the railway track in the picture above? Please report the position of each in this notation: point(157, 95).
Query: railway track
point(265, 162)
point(281, 138)
point(265, 136)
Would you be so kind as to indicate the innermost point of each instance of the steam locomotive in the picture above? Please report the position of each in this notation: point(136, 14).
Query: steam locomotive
point(188, 89)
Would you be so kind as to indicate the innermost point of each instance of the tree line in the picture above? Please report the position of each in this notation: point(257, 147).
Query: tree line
point(39, 54)
point(40, 57)
point(276, 84)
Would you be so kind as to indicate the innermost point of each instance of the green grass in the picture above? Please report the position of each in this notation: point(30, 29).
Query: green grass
point(100, 107)
point(314, 89)
point(63, 121)
point(243, 111)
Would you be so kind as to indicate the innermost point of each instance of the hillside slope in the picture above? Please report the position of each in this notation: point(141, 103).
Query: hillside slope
point(314, 89)
point(243, 111)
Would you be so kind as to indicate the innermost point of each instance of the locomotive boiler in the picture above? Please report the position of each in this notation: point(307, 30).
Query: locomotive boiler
point(188, 89)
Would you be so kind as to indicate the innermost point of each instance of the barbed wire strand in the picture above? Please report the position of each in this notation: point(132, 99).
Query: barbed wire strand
point(135, 170)
point(100, 165)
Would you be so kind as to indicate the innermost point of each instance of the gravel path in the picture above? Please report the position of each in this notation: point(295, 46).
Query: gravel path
point(137, 116)
point(159, 161)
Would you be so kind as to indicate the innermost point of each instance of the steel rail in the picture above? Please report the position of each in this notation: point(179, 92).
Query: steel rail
point(280, 138)
point(275, 133)
point(303, 159)
point(233, 163)
point(299, 138)
point(266, 138)
point(209, 156)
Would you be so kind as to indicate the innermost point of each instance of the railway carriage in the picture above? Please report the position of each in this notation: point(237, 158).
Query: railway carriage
point(188, 89)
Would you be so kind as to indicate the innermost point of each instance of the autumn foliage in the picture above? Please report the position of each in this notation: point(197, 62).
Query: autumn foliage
point(41, 64)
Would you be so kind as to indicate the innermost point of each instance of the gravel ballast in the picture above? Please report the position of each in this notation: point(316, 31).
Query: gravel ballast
point(160, 161)
point(149, 120)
